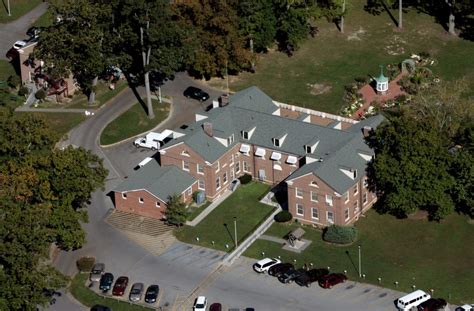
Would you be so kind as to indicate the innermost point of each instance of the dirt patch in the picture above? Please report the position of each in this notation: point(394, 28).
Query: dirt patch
point(470, 221)
point(395, 46)
point(419, 215)
point(318, 88)
point(356, 36)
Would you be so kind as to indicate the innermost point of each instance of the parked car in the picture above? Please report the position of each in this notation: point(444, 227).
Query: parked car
point(196, 93)
point(106, 281)
point(50, 294)
point(465, 308)
point(263, 265)
point(34, 31)
point(151, 294)
point(19, 44)
point(200, 304)
point(432, 304)
point(215, 307)
point(120, 286)
point(279, 269)
point(96, 272)
point(136, 292)
point(332, 279)
point(290, 275)
point(311, 276)
point(100, 308)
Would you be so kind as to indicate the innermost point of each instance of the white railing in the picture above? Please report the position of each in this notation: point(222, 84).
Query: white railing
point(315, 113)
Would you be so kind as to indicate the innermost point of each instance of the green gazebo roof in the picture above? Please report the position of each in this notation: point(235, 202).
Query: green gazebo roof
point(381, 78)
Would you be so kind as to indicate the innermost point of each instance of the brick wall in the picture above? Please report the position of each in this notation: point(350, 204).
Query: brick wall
point(132, 203)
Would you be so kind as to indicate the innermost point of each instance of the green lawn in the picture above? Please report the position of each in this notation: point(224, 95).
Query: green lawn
point(62, 122)
point(17, 8)
point(429, 255)
point(88, 298)
point(133, 122)
point(44, 20)
point(218, 226)
point(103, 95)
point(8, 97)
point(332, 60)
point(194, 211)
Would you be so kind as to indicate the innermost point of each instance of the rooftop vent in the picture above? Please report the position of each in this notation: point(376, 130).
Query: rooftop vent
point(366, 130)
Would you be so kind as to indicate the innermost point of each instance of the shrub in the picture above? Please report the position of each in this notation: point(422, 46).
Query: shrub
point(40, 94)
point(23, 91)
point(85, 264)
point(283, 216)
point(13, 81)
point(340, 234)
point(195, 195)
point(245, 179)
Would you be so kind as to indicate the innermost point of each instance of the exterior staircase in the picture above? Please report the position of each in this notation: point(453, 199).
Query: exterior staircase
point(152, 234)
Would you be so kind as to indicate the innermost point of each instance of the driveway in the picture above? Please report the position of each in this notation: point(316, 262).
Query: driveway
point(16, 30)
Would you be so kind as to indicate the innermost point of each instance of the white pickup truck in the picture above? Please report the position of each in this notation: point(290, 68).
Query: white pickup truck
point(153, 140)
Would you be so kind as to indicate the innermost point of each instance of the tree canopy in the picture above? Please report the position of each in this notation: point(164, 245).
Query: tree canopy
point(424, 155)
point(43, 195)
point(176, 210)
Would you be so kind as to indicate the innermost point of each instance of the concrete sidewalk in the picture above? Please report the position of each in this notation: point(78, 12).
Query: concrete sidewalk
point(209, 209)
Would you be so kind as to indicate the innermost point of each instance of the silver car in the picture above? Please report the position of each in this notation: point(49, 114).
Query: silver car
point(136, 292)
point(97, 271)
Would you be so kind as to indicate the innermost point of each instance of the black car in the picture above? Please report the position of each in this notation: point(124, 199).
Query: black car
point(100, 308)
point(196, 93)
point(290, 275)
point(34, 31)
point(311, 276)
point(106, 282)
point(151, 294)
point(279, 269)
point(432, 304)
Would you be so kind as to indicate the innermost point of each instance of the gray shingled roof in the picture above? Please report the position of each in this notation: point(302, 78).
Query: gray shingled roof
point(252, 108)
point(160, 181)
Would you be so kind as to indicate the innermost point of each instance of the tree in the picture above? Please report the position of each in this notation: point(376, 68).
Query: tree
point(147, 36)
point(220, 47)
point(77, 43)
point(411, 168)
point(176, 210)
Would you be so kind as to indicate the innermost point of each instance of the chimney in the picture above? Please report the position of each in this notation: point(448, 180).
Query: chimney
point(224, 100)
point(366, 130)
point(207, 127)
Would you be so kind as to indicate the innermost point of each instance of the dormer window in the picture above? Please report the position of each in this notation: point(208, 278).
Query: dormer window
point(230, 139)
point(185, 153)
point(354, 173)
point(276, 142)
point(311, 147)
point(245, 135)
point(308, 149)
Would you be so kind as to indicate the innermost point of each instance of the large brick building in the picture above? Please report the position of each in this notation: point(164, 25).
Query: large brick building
point(321, 167)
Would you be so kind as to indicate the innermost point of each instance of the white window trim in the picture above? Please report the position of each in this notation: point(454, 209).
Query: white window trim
point(185, 153)
point(218, 179)
point(141, 200)
point(197, 169)
point(365, 198)
point(313, 184)
point(297, 213)
point(245, 164)
point(312, 196)
point(346, 195)
point(237, 167)
point(366, 183)
point(312, 214)
point(329, 202)
point(225, 178)
point(346, 217)
point(218, 167)
point(199, 184)
point(356, 192)
point(124, 195)
point(158, 204)
point(328, 219)
point(184, 168)
point(296, 193)
point(189, 191)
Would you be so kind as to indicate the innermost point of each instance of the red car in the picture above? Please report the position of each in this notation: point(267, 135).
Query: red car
point(120, 286)
point(332, 279)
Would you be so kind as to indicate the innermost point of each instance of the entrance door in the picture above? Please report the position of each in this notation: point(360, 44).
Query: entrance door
point(261, 175)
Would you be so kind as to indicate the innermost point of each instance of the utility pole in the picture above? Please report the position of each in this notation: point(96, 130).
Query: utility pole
point(146, 62)
point(360, 264)
point(400, 4)
point(342, 16)
point(227, 77)
point(8, 8)
point(235, 232)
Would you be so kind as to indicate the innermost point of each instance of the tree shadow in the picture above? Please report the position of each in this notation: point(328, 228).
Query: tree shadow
point(230, 234)
point(352, 262)
point(5, 6)
point(133, 84)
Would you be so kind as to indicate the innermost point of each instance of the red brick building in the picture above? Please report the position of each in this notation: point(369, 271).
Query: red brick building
point(322, 167)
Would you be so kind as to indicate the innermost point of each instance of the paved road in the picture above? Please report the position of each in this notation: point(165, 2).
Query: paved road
point(16, 30)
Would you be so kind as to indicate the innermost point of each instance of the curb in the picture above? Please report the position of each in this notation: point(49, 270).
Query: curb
point(165, 100)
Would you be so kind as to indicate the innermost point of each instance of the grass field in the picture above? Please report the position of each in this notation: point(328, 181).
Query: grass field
point(61, 122)
point(88, 298)
point(193, 212)
point(429, 255)
point(17, 8)
point(218, 226)
point(133, 122)
point(329, 61)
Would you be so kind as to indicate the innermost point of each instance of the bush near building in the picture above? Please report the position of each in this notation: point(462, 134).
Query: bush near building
point(85, 264)
point(283, 216)
point(340, 234)
point(245, 179)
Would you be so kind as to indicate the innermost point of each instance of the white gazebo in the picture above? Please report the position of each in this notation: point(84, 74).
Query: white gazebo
point(382, 83)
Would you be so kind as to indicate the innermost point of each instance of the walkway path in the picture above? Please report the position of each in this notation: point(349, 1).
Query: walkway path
point(16, 30)
point(272, 239)
point(369, 95)
point(209, 209)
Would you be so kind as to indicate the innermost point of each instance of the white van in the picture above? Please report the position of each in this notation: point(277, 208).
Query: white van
point(412, 300)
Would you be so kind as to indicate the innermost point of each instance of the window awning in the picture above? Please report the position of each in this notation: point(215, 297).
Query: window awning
point(260, 152)
point(291, 160)
point(244, 148)
point(276, 156)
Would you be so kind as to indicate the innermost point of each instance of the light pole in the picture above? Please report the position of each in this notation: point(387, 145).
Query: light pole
point(8, 7)
point(235, 232)
point(360, 264)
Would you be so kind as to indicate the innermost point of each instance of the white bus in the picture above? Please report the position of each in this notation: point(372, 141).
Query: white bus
point(412, 300)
